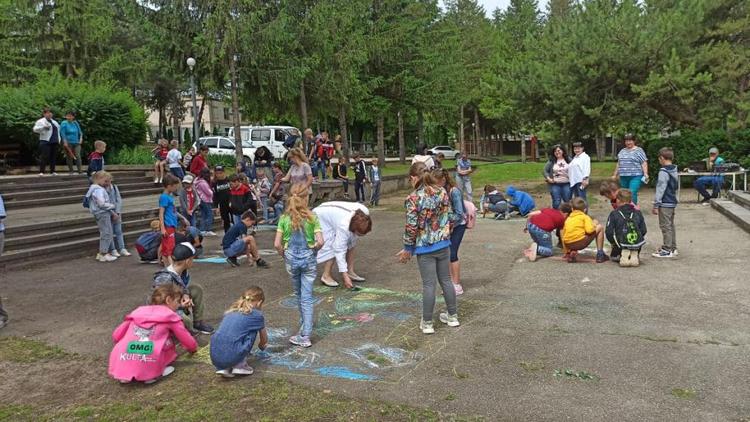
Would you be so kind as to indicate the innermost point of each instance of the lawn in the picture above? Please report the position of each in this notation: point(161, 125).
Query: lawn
point(500, 174)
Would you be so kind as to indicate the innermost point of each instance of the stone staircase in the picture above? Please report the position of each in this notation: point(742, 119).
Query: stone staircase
point(736, 208)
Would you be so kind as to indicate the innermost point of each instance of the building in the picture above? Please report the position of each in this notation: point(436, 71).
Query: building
point(216, 118)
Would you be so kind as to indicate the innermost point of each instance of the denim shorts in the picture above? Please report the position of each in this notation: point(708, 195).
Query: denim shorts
point(236, 249)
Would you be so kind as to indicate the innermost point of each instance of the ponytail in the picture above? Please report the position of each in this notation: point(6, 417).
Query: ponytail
point(245, 303)
point(296, 206)
point(425, 176)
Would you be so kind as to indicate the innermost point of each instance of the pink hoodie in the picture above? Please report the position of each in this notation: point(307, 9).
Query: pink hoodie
point(144, 345)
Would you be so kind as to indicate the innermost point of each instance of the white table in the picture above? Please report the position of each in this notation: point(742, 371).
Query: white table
point(734, 174)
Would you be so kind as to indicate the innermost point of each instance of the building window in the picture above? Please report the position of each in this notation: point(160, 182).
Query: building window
point(226, 113)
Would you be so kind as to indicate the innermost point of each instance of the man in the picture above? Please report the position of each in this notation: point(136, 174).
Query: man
point(308, 144)
point(579, 171)
point(342, 223)
point(200, 161)
point(49, 137)
point(463, 175)
point(715, 181)
point(72, 136)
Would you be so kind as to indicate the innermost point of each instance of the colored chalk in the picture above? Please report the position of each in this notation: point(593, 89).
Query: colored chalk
point(345, 373)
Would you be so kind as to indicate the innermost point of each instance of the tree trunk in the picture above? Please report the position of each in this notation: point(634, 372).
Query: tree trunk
point(600, 147)
point(344, 135)
point(401, 141)
point(500, 151)
point(614, 151)
point(477, 139)
point(162, 129)
point(200, 118)
point(523, 148)
point(381, 140)
point(461, 142)
point(303, 105)
point(235, 111)
point(420, 128)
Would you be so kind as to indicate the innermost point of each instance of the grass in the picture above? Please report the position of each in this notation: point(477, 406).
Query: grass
point(500, 174)
point(684, 393)
point(22, 350)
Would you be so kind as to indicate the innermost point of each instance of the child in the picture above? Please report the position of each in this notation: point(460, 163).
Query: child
point(626, 230)
point(168, 217)
point(665, 203)
point(519, 201)
point(148, 244)
point(160, 157)
point(233, 341)
point(360, 176)
point(240, 198)
point(277, 196)
point(264, 189)
point(96, 158)
point(579, 231)
point(103, 211)
point(144, 345)
point(540, 225)
point(174, 160)
point(341, 175)
point(458, 223)
point(494, 201)
point(222, 187)
point(191, 304)
point(117, 248)
point(189, 201)
point(608, 189)
point(202, 187)
point(375, 176)
point(427, 235)
point(298, 236)
point(237, 242)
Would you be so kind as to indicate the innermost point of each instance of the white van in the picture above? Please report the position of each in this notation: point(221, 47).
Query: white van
point(272, 137)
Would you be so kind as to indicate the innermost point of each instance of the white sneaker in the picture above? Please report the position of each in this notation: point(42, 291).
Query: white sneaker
point(106, 258)
point(115, 253)
point(161, 180)
point(242, 368)
point(426, 327)
point(124, 252)
point(451, 320)
point(156, 180)
point(98, 256)
point(226, 373)
point(210, 233)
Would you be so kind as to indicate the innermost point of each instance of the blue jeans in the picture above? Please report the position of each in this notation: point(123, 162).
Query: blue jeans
point(560, 193)
point(302, 268)
point(118, 240)
point(319, 165)
point(178, 172)
point(578, 191)
point(207, 217)
point(633, 183)
point(499, 207)
point(703, 182)
point(542, 238)
point(375, 193)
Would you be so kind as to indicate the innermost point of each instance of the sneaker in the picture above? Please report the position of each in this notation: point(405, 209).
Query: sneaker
point(706, 201)
point(355, 277)
point(156, 180)
point(261, 263)
point(532, 252)
point(458, 288)
point(571, 256)
point(299, 340)
point(675, 253)
point(161, 180)
point(203, 328)
point(242, 368)
point(601, 257)
point(41, 174)
point(614, 258)
point(115, 253)
point(226, 373)
point(508, 215)
point(500, 216)
point(329, 283)
point(232, 260)
point(451, 320)
point(426, 327)
point(210, 233)
point(663, 253)
point(167, 371)
point(106, 258)
point(124, 252)
point(54, 174)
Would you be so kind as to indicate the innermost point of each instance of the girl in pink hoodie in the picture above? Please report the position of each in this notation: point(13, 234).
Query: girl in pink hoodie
point(144, 342)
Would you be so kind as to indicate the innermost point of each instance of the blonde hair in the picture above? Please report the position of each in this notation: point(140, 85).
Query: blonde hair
point(101, 176)
point(296, 206)
point(298, 154)
point(174, 143)
point(99, 144)
point(155, 225)
point(245, 303)
point(162, 293)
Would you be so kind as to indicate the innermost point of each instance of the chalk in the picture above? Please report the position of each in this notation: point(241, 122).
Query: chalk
point(345, 373)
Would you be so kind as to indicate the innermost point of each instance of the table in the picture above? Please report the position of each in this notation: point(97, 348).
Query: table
point(734, 174)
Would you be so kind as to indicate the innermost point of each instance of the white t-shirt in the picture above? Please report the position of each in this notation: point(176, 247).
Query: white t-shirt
point(335, 217)
point(174, 156)
point(579, 168)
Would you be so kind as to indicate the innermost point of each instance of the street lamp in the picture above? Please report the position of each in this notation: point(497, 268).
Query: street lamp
point(191, 64)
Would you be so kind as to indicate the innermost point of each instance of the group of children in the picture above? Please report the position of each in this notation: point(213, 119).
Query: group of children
point(504, 205)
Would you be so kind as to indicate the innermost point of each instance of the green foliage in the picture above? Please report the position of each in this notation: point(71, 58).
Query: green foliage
point(103, 113)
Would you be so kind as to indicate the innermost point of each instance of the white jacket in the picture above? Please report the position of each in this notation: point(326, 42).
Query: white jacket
point(44, 128)
point(579, 169)
point(335, 217)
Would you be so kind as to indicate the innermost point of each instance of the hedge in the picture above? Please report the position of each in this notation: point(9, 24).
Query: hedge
point(110, 115)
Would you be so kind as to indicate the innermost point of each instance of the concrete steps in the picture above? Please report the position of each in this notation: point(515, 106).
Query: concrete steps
point(736, 208)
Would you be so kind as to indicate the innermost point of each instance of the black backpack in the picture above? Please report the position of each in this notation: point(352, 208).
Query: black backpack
point(628, 236)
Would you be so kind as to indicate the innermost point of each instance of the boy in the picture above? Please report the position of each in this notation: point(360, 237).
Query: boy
point(520, 201)
point(189, 201)
point(237, 242)
point(168, 217)
point(148, 244)
point(579, 231)
point(240, 198)
point(96, 158)
point(540, 226)
point(221, 187)
point(277, 198)
point(191, 305)
point(341, 175)
point(360, 175)
point(174, 160)
point(375, 183)
point(665, 202)
point(494, 201)
point(608, 189)
point(199, 161)
point(626, 230)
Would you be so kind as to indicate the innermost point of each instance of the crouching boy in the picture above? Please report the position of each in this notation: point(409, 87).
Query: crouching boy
point(237, 242)
point(626, 230)
point(579, 231)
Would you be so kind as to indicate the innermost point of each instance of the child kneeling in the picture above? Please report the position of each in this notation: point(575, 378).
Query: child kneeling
point(579, 231)
point(540, 226)
point(233, 340)
point(626, 230)
point(237, 242)
point(143, 342)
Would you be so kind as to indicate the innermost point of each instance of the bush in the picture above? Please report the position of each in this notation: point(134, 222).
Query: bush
point(692, 145)
point(112, 116)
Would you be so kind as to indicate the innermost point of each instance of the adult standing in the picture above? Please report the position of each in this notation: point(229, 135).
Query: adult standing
point(715, 181)
point(579, 171)
point(556, 175)
point(342, 223)
point(200, 161)
point(632, 166)
point(49, 138)
point(299, 172)
point(463, 175)
point(72, 137)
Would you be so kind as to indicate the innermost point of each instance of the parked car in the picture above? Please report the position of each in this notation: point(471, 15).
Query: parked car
point(449, 152)
point(272, 137)
point(222, 145)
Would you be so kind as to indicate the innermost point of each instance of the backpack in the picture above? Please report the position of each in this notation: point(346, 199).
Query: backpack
point(290, 141)
point(86, 201)
point(148, 244)
point(470, 211)
point(628, 236)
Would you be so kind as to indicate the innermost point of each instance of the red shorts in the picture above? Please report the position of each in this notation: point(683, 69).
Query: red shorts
point(167, 242)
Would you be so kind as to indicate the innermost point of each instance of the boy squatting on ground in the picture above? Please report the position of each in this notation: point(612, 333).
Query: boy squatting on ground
point(579, 231)
point(493, 200)
point(237, 242)
point(626, 230)
point(665, 203)
point(540, 226)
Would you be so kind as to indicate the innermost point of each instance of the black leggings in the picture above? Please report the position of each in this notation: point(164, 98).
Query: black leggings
point(47, 154)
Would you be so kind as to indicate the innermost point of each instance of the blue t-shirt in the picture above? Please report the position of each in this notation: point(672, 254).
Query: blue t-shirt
point(71, 132)
point(233, 340)
point(166, 201)
point(629, 161)
point(234, 233)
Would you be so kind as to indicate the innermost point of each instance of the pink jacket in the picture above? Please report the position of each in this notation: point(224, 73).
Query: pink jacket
point(204, 190)
point(144, 345)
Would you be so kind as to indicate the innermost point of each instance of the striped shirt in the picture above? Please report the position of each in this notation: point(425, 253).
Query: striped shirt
point(629, 161)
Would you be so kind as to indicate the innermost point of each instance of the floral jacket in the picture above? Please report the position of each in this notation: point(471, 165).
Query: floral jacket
point(428, 216)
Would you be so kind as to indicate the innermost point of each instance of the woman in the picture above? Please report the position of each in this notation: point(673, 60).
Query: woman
point(299, 172)
point(579, 171)
point(632, 166)
point(72, 136)
point(458, 224)
point(556, 176)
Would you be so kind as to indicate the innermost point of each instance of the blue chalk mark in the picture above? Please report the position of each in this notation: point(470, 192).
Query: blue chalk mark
point(212, 260)
point(345, 373)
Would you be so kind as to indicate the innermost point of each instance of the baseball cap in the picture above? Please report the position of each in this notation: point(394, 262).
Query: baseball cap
point(713, 150)
point(183, 251)
point(219, 168)
point(187, 179)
